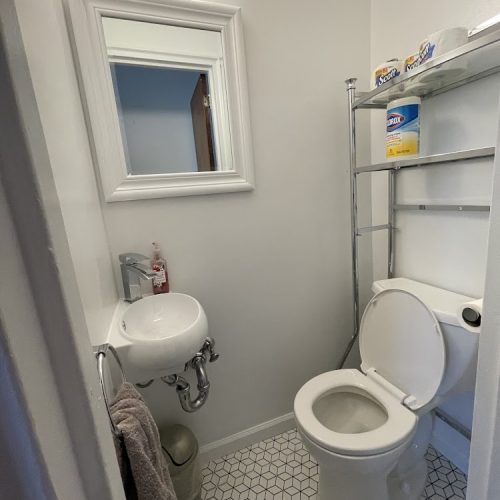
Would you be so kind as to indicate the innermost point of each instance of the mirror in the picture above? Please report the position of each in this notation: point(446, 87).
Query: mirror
point(165, 91)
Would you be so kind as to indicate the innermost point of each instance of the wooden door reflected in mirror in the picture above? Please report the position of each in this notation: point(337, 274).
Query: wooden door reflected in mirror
point(202, 126)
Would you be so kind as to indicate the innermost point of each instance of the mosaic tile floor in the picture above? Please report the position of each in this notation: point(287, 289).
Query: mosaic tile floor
point(280, 468)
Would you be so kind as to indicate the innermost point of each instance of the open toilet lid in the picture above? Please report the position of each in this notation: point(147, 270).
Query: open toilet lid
point(401, 339)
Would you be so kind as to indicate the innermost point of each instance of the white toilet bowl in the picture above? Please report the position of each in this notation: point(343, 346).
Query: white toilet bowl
point(358, 423)
point(356, 431)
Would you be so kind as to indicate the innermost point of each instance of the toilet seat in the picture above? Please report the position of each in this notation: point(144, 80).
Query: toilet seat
point(403, 362)
point(401, 343)
point(399, 426)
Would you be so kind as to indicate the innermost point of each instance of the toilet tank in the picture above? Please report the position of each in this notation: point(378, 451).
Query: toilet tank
point(461, 344)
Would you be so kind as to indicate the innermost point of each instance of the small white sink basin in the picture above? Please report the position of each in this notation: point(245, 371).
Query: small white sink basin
point(164, 331)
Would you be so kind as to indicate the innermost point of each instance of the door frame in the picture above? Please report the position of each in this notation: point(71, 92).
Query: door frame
point(484, 480)
point(63, 430)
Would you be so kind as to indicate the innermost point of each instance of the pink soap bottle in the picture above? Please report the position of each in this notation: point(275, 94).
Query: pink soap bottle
point(159, 265)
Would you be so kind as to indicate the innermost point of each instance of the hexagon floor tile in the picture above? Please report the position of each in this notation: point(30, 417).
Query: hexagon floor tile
point(280, 468)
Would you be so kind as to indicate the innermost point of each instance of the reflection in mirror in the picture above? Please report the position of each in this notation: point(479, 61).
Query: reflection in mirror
point(165, 119)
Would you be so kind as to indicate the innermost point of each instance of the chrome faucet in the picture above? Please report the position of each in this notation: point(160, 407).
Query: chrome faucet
point(132, 273)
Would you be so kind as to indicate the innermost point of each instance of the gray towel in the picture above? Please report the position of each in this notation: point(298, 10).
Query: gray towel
point(142, 464)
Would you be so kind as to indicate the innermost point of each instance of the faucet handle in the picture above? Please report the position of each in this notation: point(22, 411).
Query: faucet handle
point(132, 258)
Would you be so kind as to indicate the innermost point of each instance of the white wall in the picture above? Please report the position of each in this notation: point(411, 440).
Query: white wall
point(447, 249)
point(271, 267)
point(49, 57)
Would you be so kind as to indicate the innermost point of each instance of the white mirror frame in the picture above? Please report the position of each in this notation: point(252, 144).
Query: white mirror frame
point(236, 169)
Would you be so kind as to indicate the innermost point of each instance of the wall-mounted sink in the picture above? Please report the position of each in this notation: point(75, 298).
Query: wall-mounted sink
point(158, 334)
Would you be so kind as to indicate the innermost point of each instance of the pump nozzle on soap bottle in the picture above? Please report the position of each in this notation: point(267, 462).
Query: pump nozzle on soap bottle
point(159, 266)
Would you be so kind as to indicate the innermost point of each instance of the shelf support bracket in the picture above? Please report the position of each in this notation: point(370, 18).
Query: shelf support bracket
point(372, 229)
point(351, 96)
point(391, 218)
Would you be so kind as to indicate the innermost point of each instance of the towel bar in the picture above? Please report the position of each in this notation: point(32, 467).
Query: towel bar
point(100, 353)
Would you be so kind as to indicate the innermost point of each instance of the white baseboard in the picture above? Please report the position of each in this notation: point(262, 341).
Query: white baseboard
point(451, 444)
point(245, 438)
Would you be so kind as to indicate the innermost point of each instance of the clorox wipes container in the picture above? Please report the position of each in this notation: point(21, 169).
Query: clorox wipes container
point(403, 128)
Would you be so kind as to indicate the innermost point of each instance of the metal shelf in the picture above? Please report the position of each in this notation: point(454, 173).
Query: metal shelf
point(427, 161)
point(442, 208)
point(371, 229)
point(473, 61)
point(424, 208)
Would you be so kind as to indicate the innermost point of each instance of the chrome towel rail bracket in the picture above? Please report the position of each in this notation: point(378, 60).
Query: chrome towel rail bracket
point(100, 352)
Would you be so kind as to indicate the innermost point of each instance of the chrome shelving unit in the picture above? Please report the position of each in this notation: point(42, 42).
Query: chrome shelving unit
point(475, 60)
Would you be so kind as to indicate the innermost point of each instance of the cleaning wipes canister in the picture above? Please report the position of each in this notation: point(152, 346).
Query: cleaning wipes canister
point(403, 128)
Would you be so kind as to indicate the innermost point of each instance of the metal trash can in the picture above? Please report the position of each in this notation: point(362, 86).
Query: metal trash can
point(180, 448)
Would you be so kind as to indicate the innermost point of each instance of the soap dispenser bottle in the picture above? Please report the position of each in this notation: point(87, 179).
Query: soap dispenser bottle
point(159, 265)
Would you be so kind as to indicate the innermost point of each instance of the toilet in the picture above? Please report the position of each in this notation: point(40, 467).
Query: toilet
point(369, 429)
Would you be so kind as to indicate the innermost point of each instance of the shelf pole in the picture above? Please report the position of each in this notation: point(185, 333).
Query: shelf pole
point(391, 217)
point(351, 92)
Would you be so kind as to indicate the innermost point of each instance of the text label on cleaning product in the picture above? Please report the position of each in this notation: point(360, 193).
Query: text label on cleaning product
point(394, 120)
